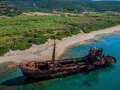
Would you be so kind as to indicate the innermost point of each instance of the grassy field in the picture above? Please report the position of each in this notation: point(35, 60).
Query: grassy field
point(20, 32)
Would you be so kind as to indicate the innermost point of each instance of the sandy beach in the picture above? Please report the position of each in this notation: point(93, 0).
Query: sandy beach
point(44, 52)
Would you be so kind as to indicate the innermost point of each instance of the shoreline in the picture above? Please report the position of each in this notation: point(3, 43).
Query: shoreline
point(44, 52)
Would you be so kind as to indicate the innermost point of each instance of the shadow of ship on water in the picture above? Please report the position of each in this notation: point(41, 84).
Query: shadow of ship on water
point(20, 81)
point(24, 81)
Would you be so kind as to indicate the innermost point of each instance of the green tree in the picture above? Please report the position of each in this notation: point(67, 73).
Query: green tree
point(7, 9)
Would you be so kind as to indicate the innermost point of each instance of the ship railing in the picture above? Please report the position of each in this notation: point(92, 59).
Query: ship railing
point(80, 59)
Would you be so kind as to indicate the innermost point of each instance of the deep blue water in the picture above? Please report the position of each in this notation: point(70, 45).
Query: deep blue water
point(104, 79)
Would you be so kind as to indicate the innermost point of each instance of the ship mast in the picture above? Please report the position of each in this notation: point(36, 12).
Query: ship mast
point(53, 54)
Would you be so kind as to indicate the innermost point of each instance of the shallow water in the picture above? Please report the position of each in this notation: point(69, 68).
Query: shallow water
point(104, 79)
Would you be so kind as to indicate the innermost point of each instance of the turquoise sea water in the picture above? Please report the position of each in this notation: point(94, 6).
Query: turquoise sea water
point(103, 79)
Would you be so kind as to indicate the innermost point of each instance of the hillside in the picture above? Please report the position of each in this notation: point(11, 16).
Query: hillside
point(62, 5)
point(70, 5)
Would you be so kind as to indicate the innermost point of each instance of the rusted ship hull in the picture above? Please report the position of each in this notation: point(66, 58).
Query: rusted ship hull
point(59, 71)
point(35, 74)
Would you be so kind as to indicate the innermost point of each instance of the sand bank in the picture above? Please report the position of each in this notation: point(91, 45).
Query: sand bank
point(44, 52)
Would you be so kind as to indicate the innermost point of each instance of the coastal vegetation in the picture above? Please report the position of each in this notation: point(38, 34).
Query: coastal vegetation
point(20, 32)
